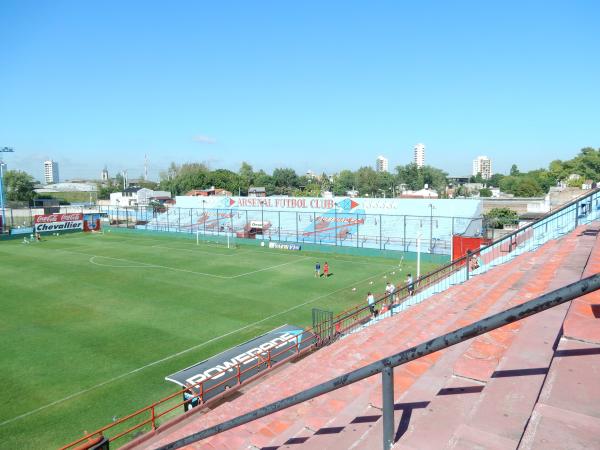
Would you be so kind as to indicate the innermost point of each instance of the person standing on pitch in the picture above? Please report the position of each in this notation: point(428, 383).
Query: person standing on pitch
point(317, 269)
point(326, 270)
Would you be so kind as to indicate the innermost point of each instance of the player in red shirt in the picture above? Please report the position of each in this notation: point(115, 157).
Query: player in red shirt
point(326, 269)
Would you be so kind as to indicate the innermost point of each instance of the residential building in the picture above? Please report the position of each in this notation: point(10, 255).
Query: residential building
point(208, 192)
point(381, 164)
point(257, 192)
point(422, 193)
point(419, 155)
point(51, 172)
point(133, 196)
point(482, 165)
point(104, 175)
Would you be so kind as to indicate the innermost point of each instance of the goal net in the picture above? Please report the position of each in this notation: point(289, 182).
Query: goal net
point(227, 240)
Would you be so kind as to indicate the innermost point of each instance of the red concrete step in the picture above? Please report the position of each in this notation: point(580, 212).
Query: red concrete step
point(583, 320)
point(482, 357)
point(567, 414)
point(505, 404)
point(388, 334)
point(497, 417)
point(342, 435)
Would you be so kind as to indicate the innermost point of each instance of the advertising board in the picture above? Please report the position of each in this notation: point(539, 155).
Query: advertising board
point(58, 222)
point(218, 372)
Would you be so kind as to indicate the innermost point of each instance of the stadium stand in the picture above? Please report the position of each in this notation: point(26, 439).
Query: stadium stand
point(530, 384)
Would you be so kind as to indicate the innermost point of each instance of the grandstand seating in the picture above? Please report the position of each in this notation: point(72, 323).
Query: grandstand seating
point(360, 228)
point(528, 385)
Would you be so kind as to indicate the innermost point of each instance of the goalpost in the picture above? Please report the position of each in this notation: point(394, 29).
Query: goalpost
point(227, 240)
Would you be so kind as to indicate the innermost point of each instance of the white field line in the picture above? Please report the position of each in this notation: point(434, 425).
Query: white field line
point(197, 251)
point(137, 264)
point(182, 352)
point(236, 252)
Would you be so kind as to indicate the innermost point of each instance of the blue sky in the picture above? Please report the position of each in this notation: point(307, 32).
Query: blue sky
point(309, 85)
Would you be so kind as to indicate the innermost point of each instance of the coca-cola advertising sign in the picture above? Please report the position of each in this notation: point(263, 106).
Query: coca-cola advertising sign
point(58, 222)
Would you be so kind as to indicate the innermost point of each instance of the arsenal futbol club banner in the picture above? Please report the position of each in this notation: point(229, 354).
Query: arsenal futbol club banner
point(58, 222)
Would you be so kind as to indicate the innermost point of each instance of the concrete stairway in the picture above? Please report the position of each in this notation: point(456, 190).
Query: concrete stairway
point(478, 394)
point(567, 414)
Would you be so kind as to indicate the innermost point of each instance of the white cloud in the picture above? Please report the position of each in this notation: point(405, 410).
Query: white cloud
point(204, 139)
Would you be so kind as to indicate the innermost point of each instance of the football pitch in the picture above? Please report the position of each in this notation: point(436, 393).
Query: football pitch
point(90, 324)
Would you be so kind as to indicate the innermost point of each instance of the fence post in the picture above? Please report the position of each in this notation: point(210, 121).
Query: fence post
point(468, 262)
point(380, 235)
point(387, 392)
point(357, 228)
point(153, 417)
point(576, 214)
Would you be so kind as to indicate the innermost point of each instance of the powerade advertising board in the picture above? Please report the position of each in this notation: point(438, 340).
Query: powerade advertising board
point(58, 222)
point(281, 341)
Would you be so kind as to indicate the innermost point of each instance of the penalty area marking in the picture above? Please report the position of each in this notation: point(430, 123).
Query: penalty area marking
point(137, 264)
point(174, 355)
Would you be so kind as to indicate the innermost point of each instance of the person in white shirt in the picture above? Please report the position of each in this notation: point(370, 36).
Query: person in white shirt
point(389, 290)
point(371, 303)
point(410, 285)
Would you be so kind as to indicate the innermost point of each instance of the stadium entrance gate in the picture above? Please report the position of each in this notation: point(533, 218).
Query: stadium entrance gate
point(323, 325)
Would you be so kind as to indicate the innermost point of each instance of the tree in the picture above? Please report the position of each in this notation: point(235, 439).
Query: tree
point(411, 176)
point(19, 186)
point(285, 180)
point(485, 192)
point(224, 179)
point(514, 171)
point(477, 179)
point(435, 178)
point(262, 179)
point(495, 179)
point(527, 187)
point(246, 174)
point(184, 178)
point(499, 217)
point(104, 191)
point(344, 182)
point(367, 181)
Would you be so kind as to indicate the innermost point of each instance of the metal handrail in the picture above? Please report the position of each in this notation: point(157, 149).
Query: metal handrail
point(385, 366)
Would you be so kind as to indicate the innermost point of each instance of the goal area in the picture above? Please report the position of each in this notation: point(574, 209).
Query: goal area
point(226, 240)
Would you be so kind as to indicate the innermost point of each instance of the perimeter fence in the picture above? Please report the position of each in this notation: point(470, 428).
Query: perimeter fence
point(430, 234)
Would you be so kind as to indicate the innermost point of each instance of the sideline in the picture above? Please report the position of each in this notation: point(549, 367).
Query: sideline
point(182, 352)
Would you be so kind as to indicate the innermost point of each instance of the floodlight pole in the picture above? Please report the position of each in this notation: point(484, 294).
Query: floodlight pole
point(431, 208)
point(335, 221)
point(419, 255)
point(2, 195)
point(3, 150)
point(204, 216)
point(262, 219)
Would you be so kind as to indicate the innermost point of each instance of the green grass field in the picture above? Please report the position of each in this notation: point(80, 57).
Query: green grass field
point(91, 324)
